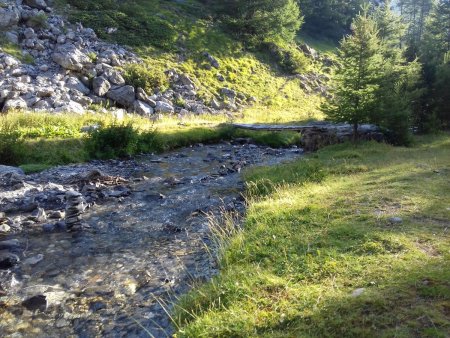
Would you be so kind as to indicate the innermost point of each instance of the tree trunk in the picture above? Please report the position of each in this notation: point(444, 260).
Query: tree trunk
point(355, 132)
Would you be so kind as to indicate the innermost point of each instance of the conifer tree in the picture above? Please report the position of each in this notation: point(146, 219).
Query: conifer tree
point(398, 81)
point(357, 79)
point(435, 55)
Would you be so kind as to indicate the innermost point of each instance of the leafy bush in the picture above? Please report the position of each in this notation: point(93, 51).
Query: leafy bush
point(256, 21)
point(113, 141)
point(38, 21)
point(146, 78)
point(11, 145)
point(149, 142)
point(291, 60)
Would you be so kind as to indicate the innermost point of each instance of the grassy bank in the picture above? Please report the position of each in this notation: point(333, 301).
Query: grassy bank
point(318, 255)
point(36, 141)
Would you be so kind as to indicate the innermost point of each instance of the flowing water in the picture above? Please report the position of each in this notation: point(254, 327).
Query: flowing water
point(139, 251)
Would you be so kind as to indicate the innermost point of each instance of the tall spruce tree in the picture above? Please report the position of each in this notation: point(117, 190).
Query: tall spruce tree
point(398, 81)
point(414, 13)
point(357, 78)
point(435, 55)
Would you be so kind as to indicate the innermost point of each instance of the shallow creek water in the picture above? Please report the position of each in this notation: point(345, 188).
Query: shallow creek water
point(139, 251)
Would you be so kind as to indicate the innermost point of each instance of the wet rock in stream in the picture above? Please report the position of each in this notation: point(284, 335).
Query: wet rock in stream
point(148, 226)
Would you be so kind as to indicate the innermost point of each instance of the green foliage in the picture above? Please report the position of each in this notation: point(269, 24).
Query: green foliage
point(414, 13)
point(149, 79)
point(114, 141)
point(329, 18)
point(136, 25)
point(375, 83)
point(435, 54)
point(38, 21)
point(290, 59)
point(357, 78)
point(16, 51)
point(442, 94)
point(398, 79)
point(257, 21)
point(11, 144)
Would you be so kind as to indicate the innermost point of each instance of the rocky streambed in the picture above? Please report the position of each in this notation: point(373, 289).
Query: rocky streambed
point(143, 239)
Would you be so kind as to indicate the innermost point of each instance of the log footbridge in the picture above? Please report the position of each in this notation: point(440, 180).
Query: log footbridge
point(320, 134)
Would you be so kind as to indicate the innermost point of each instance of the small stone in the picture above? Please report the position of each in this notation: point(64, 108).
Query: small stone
point(395, 220)
point(38, 215)
point(96, 306)
point(4, 228)
point(34, 260)
point(8, 260)
point(9, 244)
point(36, 303)
point(57, 214)
point(48, 227)
point(62, 323)
point(358, 292)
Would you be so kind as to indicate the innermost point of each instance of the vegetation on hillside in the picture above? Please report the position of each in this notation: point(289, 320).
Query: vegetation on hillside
point(348, 242)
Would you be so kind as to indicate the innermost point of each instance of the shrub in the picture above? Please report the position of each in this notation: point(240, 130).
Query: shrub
point(38, 21)
point(113, 141)
point(146, 78)
point(11, 145)
point(290, 60)
point(256, 21)
point(149, 142)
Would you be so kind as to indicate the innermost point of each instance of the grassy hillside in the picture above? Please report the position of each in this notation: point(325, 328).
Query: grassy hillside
point(175, 34)
point(320, 256)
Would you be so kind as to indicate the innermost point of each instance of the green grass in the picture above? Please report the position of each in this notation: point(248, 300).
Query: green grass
point(37, 141)
point(321, 44)
point(317, 230)
point(16, 51)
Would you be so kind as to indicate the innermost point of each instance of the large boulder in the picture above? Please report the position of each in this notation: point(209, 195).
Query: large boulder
point(164, 107)
point(17, 103)
point(100, 86)
point(39, 4)
point(114, 77)
point(70, 57)
point(9, 17)
point(5, 170)
point(186, 80)
point(124, 95)
point(212, 60)
point(142, 96)
point(70, 107)
point(142, 108)
point(74, 83)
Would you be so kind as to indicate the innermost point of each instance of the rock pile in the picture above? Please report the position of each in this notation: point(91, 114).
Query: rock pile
point(74, 208)
point(314, 83)
point(66, 68)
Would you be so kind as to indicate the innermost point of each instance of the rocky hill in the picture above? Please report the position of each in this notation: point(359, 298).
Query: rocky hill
point(50, 64)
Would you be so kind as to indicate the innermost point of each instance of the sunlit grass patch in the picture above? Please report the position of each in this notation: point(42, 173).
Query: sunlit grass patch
point(319, 255)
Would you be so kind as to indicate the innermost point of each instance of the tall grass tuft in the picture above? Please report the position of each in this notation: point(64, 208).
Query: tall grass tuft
point(11, 144)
